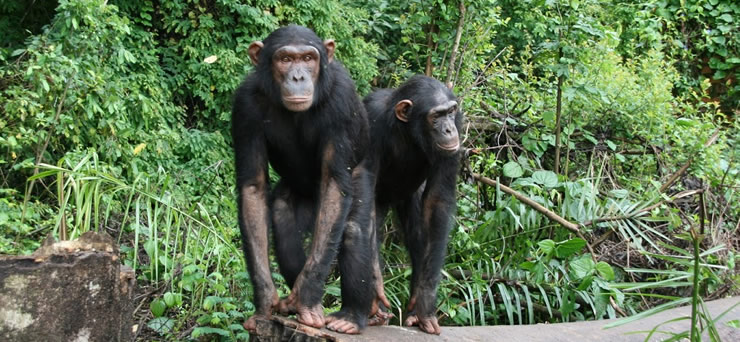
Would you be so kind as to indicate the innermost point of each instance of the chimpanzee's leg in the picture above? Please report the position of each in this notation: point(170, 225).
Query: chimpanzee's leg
point(355, 256)
point(426, 222)
point(291, 219)
point(379, 314)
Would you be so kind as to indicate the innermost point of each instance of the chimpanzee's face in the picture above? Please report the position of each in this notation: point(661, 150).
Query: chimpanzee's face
point(295, 68)
point(441, 121)
point(432, 119)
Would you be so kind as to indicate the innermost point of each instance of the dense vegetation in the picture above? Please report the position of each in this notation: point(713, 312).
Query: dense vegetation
point(617, 117)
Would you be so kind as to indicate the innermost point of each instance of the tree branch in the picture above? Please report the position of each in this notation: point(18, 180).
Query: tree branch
point(551, 215)
point(456, 44)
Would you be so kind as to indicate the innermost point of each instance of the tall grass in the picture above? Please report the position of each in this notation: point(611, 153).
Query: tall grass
point(183, 254)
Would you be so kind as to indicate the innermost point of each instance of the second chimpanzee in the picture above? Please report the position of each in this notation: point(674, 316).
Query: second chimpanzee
point(298, 110)
point(415, 155)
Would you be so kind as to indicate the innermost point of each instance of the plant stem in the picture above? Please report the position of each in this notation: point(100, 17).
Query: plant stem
point(696, 238)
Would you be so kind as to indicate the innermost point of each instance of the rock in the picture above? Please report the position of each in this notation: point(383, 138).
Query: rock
point(68, 291)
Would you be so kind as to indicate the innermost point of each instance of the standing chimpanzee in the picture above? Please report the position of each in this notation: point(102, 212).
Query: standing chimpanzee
point(415, 155)
point(299, 111)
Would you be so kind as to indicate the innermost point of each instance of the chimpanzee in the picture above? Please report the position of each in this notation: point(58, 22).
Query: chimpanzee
point(415, 156)
point(298, 110)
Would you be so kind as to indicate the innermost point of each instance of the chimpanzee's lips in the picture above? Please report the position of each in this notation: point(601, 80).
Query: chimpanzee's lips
point(450, 147)
point(297, 99)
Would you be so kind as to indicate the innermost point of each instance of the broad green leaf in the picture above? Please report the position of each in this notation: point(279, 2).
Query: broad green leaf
point(735, 323)
point(582, 267)
point(169, 299)
point(161, 325)
point(547, 178)
point(209, 303)
point(547, 246)
point(605, 270)
point(512, 169)
point(157, 306)
point(568, 248)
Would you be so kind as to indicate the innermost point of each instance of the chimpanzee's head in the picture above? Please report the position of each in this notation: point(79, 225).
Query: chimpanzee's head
point(432, 112)
point(292, 61)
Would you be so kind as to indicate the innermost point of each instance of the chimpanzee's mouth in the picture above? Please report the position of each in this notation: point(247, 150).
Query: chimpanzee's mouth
point(450, 147)
point(297, 99)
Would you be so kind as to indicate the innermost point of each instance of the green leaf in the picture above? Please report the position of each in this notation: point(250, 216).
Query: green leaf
point(612, 145)
point(590, 138)
point(605, 270)
point(735, 323)
point(169, 299)
point(568, 248)
point(548, 116)
point(512, 169)
point(200, 331)
point(585, 283)
point(209, 303)
point(547, 246)
point(619, 193)
point(546, 178)
point(582, 267)
point(161, 325)
point(685, 122)
point(527, 265)
point(726, 17)
point(157, 306)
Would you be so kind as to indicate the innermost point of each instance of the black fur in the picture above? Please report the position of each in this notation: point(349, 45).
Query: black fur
point(414, 178)
point(294, 143)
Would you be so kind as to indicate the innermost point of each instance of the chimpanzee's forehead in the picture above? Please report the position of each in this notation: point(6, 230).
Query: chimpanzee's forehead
point(293, 35)
point(443, 105)
point(296, 49)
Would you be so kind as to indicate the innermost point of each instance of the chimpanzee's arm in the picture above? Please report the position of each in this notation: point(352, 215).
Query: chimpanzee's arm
point(438, 206)
point(335, 198)
point(252, 187)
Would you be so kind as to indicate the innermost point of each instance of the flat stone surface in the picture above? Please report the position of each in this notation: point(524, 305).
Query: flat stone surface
point(577, 331)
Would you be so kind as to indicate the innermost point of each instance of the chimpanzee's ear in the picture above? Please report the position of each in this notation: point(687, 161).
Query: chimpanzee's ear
point(402, 110)
point(329, 45)
point(254, 51)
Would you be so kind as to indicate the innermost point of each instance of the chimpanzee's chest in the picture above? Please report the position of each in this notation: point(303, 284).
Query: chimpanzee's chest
point(399, 178)
point(294, 150)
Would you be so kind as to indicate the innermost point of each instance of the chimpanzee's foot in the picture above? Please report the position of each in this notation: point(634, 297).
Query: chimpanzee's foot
point(380, 317)
point(309, 315)
point(251, 323)
point(345, 322)
point(428, 325)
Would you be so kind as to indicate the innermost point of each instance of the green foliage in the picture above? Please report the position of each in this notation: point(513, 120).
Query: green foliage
point(115, 117)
